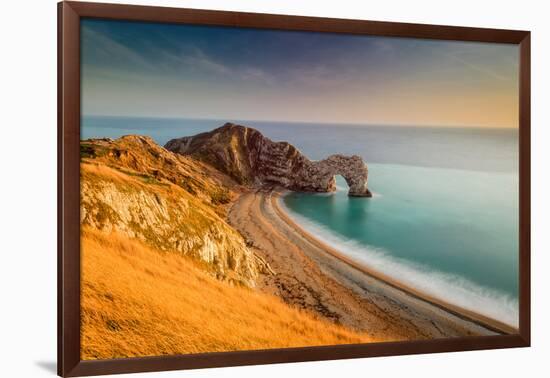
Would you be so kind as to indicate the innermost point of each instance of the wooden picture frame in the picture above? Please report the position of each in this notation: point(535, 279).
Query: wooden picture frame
point(69, 16)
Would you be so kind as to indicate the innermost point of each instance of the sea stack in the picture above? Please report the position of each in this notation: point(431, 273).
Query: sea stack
point(254, 160)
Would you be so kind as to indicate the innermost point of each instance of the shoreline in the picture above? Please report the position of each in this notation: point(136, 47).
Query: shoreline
point(307, 276)
point(468, 315)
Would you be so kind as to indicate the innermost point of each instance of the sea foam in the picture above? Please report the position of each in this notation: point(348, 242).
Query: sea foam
point(447, 287)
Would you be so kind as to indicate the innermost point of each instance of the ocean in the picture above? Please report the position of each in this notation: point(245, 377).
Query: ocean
point(444, 215)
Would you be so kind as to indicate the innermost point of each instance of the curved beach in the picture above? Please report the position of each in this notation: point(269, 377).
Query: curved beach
point(315, 277)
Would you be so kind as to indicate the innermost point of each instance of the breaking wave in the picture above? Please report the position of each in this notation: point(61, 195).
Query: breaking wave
point(450, 288)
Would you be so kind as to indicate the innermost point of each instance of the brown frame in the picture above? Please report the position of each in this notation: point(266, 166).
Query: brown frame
point(69, 14)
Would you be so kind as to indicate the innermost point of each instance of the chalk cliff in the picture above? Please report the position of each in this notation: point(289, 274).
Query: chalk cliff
point(252, 159)
point(174, 203)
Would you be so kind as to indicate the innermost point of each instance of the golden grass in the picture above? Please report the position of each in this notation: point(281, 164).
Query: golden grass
point(137, 301)
point(104, 171)
point(141, 155)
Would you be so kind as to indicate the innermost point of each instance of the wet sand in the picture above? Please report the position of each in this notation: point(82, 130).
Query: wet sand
point(312, 276)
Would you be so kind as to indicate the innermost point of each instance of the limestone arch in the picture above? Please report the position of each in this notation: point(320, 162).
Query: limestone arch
point(351, 168)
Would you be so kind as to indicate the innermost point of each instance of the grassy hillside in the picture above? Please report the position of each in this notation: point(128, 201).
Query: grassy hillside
point(140, 301)
point(141, 157)
point(172, 203)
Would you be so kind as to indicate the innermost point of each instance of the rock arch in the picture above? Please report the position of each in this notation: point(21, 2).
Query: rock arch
point(351, 168)
point(254, 160)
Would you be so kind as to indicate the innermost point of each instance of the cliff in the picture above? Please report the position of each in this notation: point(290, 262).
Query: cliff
point(132, 186)
point(254, 160)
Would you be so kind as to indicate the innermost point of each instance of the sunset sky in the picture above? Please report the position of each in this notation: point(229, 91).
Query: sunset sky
point(159, 70)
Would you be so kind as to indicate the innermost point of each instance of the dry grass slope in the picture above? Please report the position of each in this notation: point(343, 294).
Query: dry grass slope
point(142, 158)
point(138, 301)
point(172, 203)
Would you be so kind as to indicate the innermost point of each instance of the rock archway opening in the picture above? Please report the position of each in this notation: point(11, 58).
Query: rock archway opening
point(342, 184)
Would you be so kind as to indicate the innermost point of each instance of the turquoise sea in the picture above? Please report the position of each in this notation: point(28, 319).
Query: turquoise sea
point(444, 216)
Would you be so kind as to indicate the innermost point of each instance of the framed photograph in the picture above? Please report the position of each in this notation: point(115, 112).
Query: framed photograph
point(239, 188)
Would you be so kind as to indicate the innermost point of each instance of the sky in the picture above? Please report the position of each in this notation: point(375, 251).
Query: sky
point(164, 70)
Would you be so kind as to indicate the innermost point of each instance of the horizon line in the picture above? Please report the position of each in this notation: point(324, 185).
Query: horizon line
point(353, 124)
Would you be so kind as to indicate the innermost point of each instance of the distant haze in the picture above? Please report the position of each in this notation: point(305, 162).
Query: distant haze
point(162, 70)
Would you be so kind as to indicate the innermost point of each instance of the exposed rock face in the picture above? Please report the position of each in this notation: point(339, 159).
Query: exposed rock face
point(134, 187)
point(252, 159)
point(352, 168)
